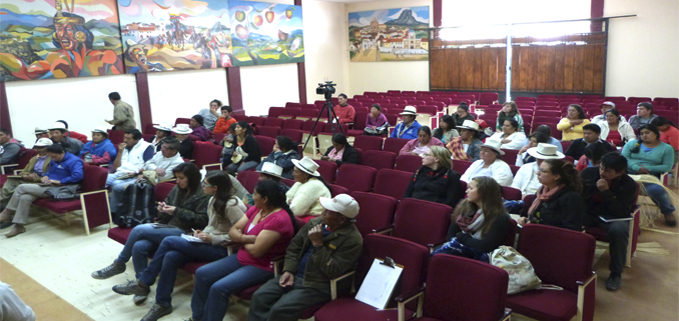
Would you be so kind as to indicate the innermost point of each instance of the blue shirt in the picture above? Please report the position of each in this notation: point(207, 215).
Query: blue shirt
point(305, 259)
point(38, 165)
point(401, 131)
point(68, 171)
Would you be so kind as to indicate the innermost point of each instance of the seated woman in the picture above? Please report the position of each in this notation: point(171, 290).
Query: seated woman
point(467, 146)
point(199, 131)
point(100, 150)
point(446, 130)
point(592, 156)
point(182, 131)
point(224, 210)
point(376, 124)
point(163, 131)
point(490, 165)
point(184, 210)
point(509, 111)
point(421, 144)
point(614, 130)
point(534, 139)
point(309, 186)
point(571, 126)
point(435, 181)
point(558, 202)
point(462, 114)
point(246, 154)
point(341, 152)
point(669, 134)
point(650, 156)
point(284, 151)
point(265, 232)
point(479, 223)
point(65, 169)
point(510, 136)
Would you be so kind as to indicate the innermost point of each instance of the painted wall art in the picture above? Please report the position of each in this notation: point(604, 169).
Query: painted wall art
point(166, 35)
point(47, 39)
point(389, 35)
point(266, 33)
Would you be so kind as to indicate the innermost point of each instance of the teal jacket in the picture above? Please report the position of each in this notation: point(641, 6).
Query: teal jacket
point(657, 161)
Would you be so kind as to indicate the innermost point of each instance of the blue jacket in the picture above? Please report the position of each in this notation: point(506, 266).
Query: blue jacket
point(100, 149)
point(410, 133)
point(282, 160)
point(68, 171)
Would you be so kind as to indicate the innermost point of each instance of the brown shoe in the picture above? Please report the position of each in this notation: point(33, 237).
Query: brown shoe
point(16, 230)
point(670, 220)
point(5, 217)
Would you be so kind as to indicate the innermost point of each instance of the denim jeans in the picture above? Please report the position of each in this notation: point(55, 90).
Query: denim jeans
point(660, 197)
point(217, 281)
point(144, 239)
point(172, 254)
point(233, 168)
point(117, 189)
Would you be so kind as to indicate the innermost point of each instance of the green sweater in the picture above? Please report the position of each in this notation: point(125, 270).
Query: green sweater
point(657, 161)
point(190, 213)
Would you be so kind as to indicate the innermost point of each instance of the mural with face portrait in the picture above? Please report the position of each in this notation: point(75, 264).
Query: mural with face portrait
point(47, 39)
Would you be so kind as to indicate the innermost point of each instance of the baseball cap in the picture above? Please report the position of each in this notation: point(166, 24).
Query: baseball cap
point(342, 203)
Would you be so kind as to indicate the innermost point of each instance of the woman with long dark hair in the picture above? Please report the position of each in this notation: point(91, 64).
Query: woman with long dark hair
point(479, 223)
point(264, 232)
point(184, 209)
point(614, 130)
point(341, 151)
point(446, 130)
point(558, 202)
point(246, 154)
point(509, 111)
point(224, 211)
point(571, 126)
point(421, 144)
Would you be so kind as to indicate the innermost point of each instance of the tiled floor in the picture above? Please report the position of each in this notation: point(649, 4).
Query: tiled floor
point(62, 258)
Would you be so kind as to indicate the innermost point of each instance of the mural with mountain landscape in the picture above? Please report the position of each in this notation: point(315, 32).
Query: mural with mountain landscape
point(47, 39)
point(166, 35)
point(389, 35)
point(266, 33)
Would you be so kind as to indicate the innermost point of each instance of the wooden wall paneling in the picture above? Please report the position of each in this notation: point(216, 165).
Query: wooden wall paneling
point(588, 83)
point(541, 70)
point(486, 74)
point(502, 72)
point(599, 68)
point(516, 71)
point(467, 76)
point(569, 68)
point(478, 68)
point(549, 69)
point(579, 70)
point(454, 67)
point(559, 68)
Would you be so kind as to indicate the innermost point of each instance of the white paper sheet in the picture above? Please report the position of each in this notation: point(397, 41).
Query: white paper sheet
point(378, 284)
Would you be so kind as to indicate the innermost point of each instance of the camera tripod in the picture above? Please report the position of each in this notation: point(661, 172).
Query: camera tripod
point(332, 117)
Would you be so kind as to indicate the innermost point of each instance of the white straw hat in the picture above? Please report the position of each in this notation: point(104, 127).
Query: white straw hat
point(166, 126)
point(271, 169)
point(410, 110)
point(307, 165)
point(494, 144)
point(182, 129)
point(545, 151)
point(471, 125)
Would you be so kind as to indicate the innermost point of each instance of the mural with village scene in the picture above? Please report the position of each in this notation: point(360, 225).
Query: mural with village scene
point(389, 35)
point(48, 39)
point(165, 35)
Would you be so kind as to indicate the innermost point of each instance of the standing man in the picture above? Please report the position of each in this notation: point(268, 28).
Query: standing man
point(59, 135)
point(123, 114)
point(409, 127)
point(325, 248)
point(345, 112)
point(9, 147)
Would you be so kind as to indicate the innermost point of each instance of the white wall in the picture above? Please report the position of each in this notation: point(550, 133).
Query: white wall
point(185, 93)
point(643, 52)
point(383, 76)
point(268, 86)
point(82, 102)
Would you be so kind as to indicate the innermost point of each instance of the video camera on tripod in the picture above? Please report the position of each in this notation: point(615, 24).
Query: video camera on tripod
point(326, 89)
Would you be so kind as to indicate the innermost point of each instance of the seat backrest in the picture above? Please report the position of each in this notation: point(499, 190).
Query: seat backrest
point(487, 98)
point(461, 166)
point(376, 211)
point(356, 177)
point(408, 163)
point(274, 122)
point(422, 222)
point(510, 155)
point(510, 237)
point(162, 190)
point(394, 145)
point(265, 144)
point(378, 159)
point(258, 121)
point(94, 178)
point(206, 153)
point(25, 157)
point(336, 190)
point(181, 121)
point(293, 124)
point(328, 170)
point(118, 136)
point(294, 134)
point(275, 112)
point(249, 180)
point(511, 193)
point(411, 255)
point(367, 143)
point(457, 279)
point(268, 131)
point(392, 183)
point(559, 256)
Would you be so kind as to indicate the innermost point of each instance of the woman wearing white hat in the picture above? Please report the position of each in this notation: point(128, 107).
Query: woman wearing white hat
point(34, 170)
point(409, 127)
point(100, 150)
point(466, 146)
point(182, 131)
point(309, 186)
point(164, 130)
point(490, 164)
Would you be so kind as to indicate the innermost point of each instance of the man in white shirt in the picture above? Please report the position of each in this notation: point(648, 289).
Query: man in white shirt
point(133, 153)
point(606, 106)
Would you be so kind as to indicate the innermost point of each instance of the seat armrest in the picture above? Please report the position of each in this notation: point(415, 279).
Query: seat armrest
point(507, 315)
point(7, 168)
point(333, 283)
point(403, 299)
point(384, 231)
point(217, 166)
point(277, 265)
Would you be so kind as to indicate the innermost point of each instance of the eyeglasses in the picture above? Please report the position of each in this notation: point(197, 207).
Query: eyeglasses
point(544, 171)
point(206, 184)
point(427, 155)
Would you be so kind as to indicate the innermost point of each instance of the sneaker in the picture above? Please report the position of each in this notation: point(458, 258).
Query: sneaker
point(114, 269)
point(131, 287)
point(614, 281)
point(157, 311)
point(139, 299)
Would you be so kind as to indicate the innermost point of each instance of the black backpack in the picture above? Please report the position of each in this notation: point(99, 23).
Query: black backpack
point(138, 205)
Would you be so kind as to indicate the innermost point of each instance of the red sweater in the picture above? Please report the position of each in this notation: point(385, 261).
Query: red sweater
point(345, 114)
point(671, 136)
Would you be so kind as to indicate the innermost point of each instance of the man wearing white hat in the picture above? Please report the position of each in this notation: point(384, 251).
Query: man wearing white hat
point(490, 164)
point(163, 130)
point(182, 132)
point(466, 146)
point(606, 106)
point(325, 248)
point(34, 170)
point(409, 127)
point(100, 150)
point(58, 134)
point(41, 133)
point(526, 178)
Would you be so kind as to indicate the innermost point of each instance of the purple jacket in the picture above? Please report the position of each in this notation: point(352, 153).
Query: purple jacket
point(201, 132)
point(370, 122)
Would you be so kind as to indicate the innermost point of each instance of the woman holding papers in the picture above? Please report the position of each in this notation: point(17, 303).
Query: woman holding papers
point(480, 222)
point(224, 210)
point(184, 209)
